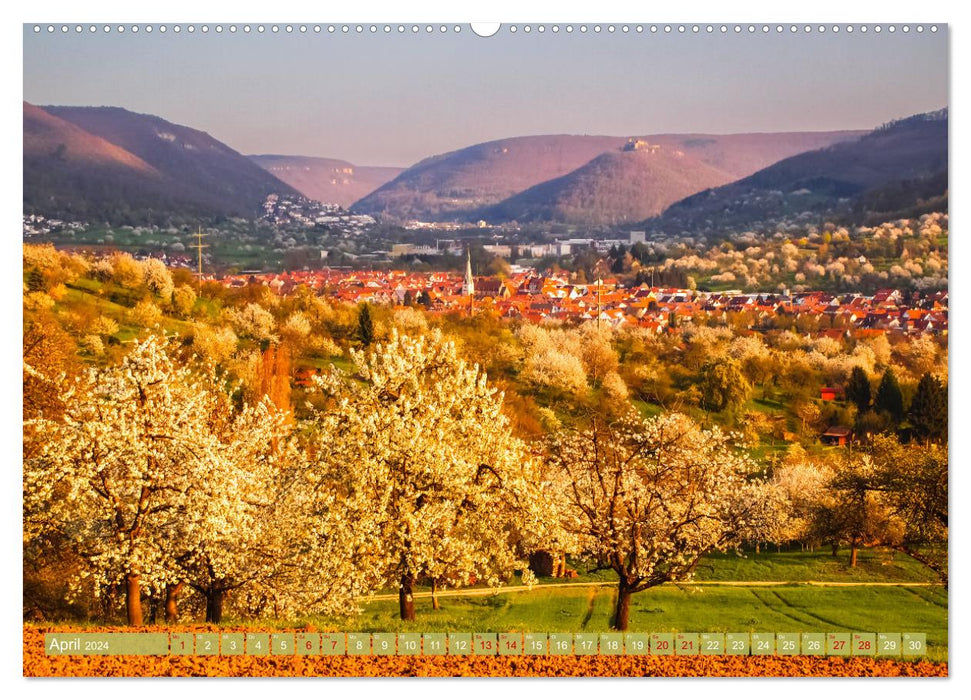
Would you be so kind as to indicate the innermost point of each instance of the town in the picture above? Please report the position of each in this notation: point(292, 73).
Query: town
point(537, 298)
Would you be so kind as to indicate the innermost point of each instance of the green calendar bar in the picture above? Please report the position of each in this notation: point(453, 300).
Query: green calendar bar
point(534, 644)
point(232, 643)
point(459, 644)
point(611, 643)
point(485, 643)
point(838, 644)
point(813, 644)
point(409, 644)
point(711, 643)
point(586, 643)
point(182, 644)
point(308, 644)
point(561, 643)
point(662, 644)
point(864, 644)
point(335, 644)
point(884, 644)
point(888, 644)
point(913, 644)
point(282, 644)
point(207, 644)
point(107, 644)
point(434, 644)
point(384, 643)
point(257, 644)
point(510, 644)
point(737, 644)
point(685, 644)
point(763, 644)
point(637, 644)
point(787, 644)
point(358, 644)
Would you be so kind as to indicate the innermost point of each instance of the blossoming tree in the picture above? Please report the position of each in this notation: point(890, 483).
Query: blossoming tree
point(159, 480)
point(651, 497)
point(115, 473)
point(424, 460)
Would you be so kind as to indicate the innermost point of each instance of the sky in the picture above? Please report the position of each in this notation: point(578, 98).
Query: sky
point(393, 99)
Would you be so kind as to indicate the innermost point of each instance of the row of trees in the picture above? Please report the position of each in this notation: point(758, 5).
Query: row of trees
point(927, 412)
point(907, 253)
point(891, 495)
point(157, 479)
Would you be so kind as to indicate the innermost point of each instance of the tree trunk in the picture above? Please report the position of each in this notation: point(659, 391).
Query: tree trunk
point(171, 602)
point(214, 605)
point(133, 600)
point(622, 613)
point(406, 598)
point(757, 548)
point(836, 549)
point(108, 601)
point(853, 551)
point(435, 605)
point(153, 605)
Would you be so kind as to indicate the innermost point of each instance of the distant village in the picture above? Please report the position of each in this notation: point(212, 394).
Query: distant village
point(39, 225)
point(284, 211)
point(537, 298)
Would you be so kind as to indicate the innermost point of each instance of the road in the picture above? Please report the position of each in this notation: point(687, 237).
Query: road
point(479, 592)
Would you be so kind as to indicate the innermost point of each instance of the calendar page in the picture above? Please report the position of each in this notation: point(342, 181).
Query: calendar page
point(535, 349)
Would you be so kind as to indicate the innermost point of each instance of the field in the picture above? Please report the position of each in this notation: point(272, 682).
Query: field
point(694, 608)
point(874, 565)
point(789, 591)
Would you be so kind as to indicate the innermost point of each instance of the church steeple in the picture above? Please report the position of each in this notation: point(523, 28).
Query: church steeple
point(468, 287)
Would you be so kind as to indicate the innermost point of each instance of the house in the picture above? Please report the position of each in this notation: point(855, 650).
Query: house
point(492, 288)
point(304, 376)
point(831, 393)
point(836, 435)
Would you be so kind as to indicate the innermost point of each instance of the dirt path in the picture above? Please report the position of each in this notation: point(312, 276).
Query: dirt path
point(478, 592)
point(591, 597)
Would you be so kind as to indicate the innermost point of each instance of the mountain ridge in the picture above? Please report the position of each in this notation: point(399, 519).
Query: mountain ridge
point(466, 183)
point(330, 180)
point(913, 149)
point(616, 187)
point(192, 173)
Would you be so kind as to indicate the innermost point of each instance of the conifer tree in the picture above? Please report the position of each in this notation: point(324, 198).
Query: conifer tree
point(928, 411)
point(858, 390)
point(889, 398)
point(365, 326)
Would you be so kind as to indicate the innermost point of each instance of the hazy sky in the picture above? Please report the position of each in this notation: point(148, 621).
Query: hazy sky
point(390, 99)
